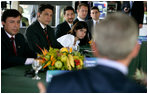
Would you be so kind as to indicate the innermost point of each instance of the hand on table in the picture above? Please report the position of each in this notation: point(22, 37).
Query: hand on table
point(41, 87)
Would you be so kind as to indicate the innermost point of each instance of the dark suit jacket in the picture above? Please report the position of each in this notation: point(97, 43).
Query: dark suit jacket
point(8, 57)
point(36, 36)
point(90, 27)
point(99, 79)
point(75, 21)
point(62, 29)
point(137, 10)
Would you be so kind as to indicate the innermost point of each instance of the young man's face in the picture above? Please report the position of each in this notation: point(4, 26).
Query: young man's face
point(45, 17)
point(82, 12)
point(69, 16)
point(12, 25)
point(95, 14)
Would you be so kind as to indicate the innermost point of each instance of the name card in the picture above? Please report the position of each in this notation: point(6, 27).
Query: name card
point(90, 62)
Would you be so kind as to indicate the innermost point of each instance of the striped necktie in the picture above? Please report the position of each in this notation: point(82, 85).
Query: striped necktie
point(46, 34)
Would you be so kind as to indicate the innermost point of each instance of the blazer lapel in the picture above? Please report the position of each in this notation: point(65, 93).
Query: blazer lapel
point(67, 25)
point(40, 31)
point(92, 24)
point(6, 40)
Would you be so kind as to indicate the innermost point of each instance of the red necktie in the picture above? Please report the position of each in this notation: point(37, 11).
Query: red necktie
point(46, 34)
point(13, 44)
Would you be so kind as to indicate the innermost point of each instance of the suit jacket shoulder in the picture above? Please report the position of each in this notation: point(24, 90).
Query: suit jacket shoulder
point(89, 24)
point(52, 38)
point(62, 29)
point(36, 37)
point(99, 79)
point(75, 21)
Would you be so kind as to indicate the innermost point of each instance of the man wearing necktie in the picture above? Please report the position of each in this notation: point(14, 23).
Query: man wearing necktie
point(35, 33)
point(134, 9)
point(95, 13)
point(14, 49)
point(65, 27)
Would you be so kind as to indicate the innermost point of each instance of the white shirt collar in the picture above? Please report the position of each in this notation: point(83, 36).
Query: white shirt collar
point(113, 64)
point(94, 21)
point(10, 35)
point(77, 42)
point(80, 19)
point(42, 25)
point(69, 24)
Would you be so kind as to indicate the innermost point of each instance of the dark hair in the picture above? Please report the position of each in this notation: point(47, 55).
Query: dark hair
point(82, 4)
point(10, 13)
point(94, 7)
point(68, 8)
point(77, 26)
point(42, 7)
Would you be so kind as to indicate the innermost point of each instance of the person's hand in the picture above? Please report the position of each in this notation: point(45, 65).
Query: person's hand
point(140, 25)
point(41, 87)
point(126, 10)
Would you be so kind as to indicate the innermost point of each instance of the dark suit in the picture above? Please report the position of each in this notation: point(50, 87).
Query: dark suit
point(90, 25)
point(75, 21)
point(62, 29)
point(99, 79)
point(137, 10)
point(7, 54)
point(36, 36)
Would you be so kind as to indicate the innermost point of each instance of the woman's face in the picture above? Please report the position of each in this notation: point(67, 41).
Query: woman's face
point(80, 33)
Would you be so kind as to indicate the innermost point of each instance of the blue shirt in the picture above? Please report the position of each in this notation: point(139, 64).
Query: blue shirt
point(113, 64)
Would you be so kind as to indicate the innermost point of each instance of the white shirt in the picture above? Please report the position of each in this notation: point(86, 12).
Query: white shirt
point(94, 22)
point(9, 35)
point(42, 25)
point(70, 25)
point(80, 19)
point(113, 64)
point(68, 41)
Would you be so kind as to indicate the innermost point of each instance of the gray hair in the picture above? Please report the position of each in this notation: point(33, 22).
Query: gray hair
point(116, 36)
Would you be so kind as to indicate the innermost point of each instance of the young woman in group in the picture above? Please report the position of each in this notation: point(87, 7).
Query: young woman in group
point(78, 35)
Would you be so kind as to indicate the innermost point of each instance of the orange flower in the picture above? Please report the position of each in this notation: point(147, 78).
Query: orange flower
point(90, 42)
point(48, 63)
point(70, 49)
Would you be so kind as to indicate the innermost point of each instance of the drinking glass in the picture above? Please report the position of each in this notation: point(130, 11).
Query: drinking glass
point(77, 48)
point(36, 65)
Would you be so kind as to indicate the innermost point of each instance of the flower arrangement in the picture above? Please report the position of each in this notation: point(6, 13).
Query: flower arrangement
point(61, 59)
